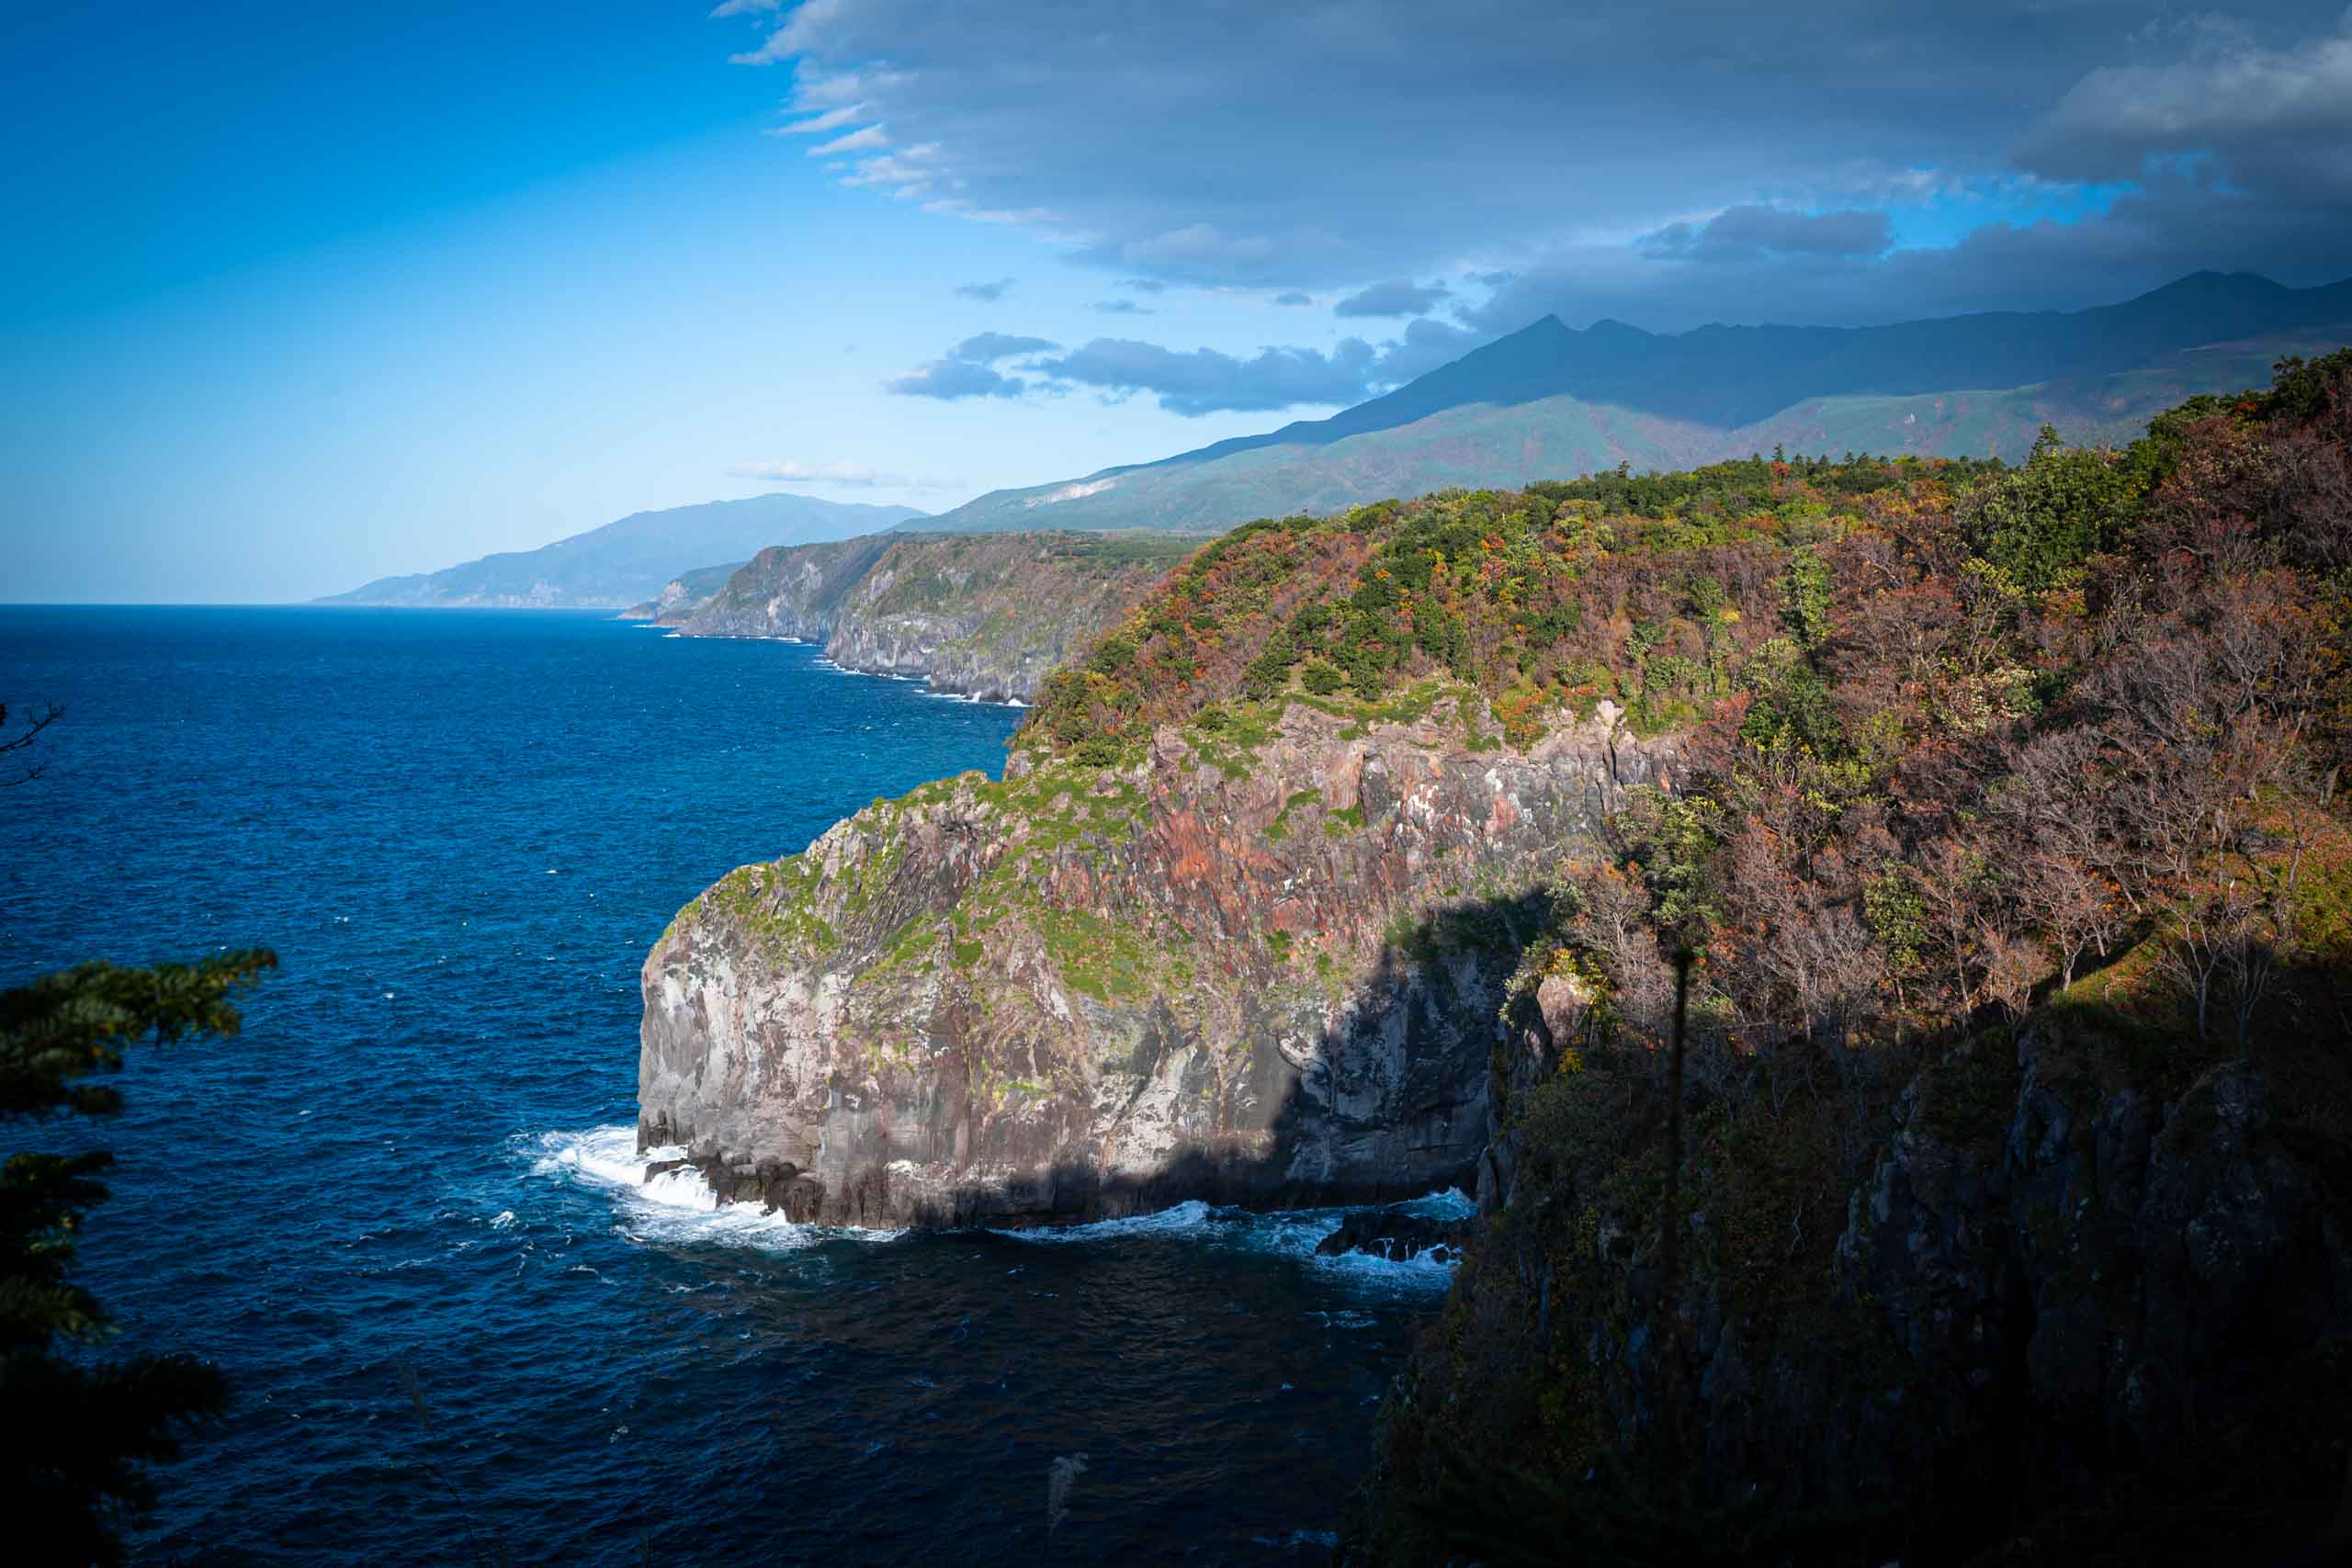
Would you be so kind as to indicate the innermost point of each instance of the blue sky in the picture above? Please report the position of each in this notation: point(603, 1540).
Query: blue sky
point(294, 297)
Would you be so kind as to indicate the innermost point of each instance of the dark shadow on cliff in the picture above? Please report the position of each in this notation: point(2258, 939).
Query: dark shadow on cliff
point(1438, 983)
point(1915, 1401)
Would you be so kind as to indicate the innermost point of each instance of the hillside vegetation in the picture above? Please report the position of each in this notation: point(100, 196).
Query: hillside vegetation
point(1997, 1203)
point(1653, 591)
point(2011, 1147)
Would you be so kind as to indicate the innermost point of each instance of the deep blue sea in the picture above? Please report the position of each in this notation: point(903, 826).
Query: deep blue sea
point(461, 832)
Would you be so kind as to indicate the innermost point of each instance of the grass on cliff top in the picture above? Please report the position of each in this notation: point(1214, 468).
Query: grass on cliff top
point(1652, 589)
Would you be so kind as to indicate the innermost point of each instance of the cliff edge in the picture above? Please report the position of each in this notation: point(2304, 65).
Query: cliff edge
point(978, 616)
point(1266, 977)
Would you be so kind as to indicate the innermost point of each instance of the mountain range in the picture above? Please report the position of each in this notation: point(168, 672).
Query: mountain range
point(628, 561)
point(1549, 401)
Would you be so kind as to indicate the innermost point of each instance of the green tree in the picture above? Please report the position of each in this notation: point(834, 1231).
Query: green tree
point(78, 1430)
point(1804, 598)
point(2040, 523)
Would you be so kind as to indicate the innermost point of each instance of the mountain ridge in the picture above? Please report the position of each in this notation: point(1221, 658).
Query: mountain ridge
point(1711, 393)
point(629, 561)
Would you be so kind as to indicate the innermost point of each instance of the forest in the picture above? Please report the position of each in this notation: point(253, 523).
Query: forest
point(2012, 812)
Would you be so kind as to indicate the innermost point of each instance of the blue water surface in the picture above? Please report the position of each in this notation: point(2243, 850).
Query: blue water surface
point(461, 832)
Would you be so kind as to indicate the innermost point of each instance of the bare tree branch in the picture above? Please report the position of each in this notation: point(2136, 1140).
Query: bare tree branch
point(14, 773)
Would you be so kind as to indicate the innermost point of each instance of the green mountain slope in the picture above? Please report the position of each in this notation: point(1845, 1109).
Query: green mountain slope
point(624, 562)
point(1549, 402)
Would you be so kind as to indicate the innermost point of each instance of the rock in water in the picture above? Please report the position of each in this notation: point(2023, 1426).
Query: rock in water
point(1399, 1234)
point(1264, 973)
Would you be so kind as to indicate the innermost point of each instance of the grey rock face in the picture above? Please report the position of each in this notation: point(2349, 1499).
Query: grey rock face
point(1077, 993)
point(983, 617)
point(790, 592)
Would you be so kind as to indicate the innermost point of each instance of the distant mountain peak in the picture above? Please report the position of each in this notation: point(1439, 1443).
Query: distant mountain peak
point(1551, 401)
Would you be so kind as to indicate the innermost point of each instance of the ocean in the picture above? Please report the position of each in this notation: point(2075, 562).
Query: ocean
point(461, 832)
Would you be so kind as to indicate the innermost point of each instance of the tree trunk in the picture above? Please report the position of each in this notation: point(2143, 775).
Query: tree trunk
point(1669, 1249)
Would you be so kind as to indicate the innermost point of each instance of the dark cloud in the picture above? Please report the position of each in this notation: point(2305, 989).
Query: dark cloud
point(1425, 345)
point(1293, 297)
point(1740, 233)
point(987, 348)
point(1397, 297)
point(950, 378)
point(1144, 285)
point(1202, 381)
point(1801, 123)
point(991, 292)
point(1123, 308)
point(2270, 118)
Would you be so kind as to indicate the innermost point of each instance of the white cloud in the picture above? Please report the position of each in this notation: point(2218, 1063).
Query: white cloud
point(855, 476)
point(816, 125)
point(856, 141)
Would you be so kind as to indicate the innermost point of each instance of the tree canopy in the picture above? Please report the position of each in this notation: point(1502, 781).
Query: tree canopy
point(79, 1428)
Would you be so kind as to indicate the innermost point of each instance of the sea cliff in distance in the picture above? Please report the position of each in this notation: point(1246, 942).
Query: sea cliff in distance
point(682, 594)
point(628, 561)
point(981, 615)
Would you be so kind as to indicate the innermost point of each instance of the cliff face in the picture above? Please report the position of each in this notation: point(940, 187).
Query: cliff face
point(984, 617)
point(2097, 1317)
point(681, 596)
point(1244, 971)
point(988, 616)
point(787, 591)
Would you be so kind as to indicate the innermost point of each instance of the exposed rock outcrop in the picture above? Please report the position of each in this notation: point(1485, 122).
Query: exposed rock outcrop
point(681, 596)
point(788, 590)
point(977, 615)
point(1398, 1233)
point(1268, 976)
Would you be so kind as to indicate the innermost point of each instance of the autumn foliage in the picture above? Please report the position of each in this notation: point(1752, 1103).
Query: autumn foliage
point(2041, 764)
point(1651, 591)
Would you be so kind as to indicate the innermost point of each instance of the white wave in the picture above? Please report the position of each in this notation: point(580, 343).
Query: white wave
point(1445, 1203)
point(677, 1205)
point(1184, 1219)
point(1288, 1233)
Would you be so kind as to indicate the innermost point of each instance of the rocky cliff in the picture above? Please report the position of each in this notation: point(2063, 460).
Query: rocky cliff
point(1877, 934)
point(681, 596)
point(1218, 972)
point(990, 616)
point(984, 617)
point(788, 590)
